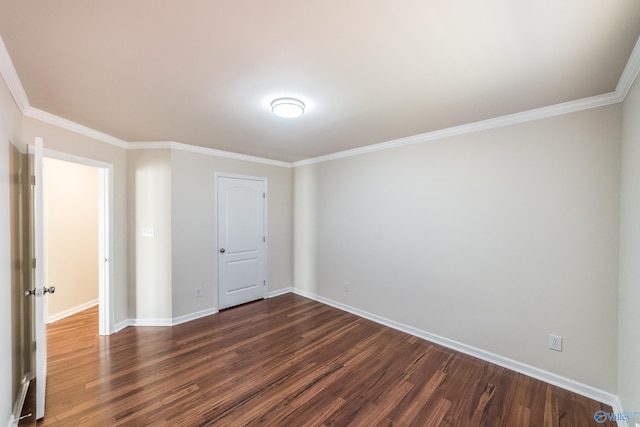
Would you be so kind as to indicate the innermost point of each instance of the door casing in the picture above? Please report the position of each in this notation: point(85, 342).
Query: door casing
point(105, 235)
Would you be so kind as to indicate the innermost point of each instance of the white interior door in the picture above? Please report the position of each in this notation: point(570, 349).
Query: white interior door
point(39, 288)
point(241, 240)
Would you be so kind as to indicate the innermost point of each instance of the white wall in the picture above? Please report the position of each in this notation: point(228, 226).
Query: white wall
point(71, 217)
point(10, 130)
point(629, 290)
point(194, 235)
point(493, 239)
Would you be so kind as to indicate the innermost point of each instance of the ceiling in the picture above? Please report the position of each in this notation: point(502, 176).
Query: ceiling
point(203, 72)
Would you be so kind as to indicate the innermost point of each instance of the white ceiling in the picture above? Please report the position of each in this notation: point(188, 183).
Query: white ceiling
point(203, 72)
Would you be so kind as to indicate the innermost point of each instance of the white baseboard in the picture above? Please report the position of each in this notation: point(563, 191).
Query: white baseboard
point(616, 406)
point(278, 292)
point(193, 316)
point(151, 322)
point(531, 371)
point(19, 403)
point(120, 326)
point(72, 311)
point(163, 322)
point(186, 318)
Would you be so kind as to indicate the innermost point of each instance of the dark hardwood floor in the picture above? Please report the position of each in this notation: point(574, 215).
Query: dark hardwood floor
point(286, 361)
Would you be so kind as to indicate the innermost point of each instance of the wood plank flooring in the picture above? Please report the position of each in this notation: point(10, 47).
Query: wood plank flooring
point(286, 361)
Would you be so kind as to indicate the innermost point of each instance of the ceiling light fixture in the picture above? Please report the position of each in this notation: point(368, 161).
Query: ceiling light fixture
point(289, 108)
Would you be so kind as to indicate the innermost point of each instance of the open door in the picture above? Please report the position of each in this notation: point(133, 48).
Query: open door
point(22, 306)
point(39, 290)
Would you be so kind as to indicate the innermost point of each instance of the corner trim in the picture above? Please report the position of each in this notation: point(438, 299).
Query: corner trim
point(522, 368)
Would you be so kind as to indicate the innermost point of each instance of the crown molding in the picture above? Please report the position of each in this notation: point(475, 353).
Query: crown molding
point(627, 78)
point(172, 145)
point(58, 121)
point(630, 72)
point(625, 82)
point(497, 122)
point(10, 75)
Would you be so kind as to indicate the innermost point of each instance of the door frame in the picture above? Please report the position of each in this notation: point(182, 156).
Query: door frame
point(105, 235)
point(265, 220)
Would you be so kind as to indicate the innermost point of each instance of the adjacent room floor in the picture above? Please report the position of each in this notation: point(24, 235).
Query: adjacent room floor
point(286, 361)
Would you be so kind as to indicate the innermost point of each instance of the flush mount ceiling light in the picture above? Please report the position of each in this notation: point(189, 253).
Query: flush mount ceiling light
point(289, 108)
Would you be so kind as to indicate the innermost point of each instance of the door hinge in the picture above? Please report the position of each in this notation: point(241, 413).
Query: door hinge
point(32, 179)
point(33, 263)
point(264, 239)
point(264, 195)
point(264, 283)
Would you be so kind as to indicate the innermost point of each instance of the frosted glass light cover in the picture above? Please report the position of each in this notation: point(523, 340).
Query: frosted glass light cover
point(288, 108)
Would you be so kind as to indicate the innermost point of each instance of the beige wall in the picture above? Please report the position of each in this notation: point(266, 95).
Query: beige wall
point(173, 191)
point(71, 218)
point(493, 239)
point(629, 290)
point(193, 219)
point(150, 257)
point(10, 130)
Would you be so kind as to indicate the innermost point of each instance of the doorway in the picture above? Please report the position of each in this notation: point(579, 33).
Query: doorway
point(77, 238)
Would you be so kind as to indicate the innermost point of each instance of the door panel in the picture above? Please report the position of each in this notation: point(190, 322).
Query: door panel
point(37, 233)
point(241, 240)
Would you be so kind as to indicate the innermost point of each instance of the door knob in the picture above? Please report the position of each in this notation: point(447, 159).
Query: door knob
point(29, 292)
point(222, 250)
point(50, 289)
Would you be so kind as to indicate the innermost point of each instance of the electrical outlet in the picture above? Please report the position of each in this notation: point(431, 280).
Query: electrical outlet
point(198, 292)
point(347, 287)
point(555, 342)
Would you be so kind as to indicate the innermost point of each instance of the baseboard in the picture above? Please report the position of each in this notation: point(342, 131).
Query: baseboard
point(19, 403)
point(616, 406)
point(122, 325)
point(164, 322)
point(193, 316)
point(186, 318)
point(151, 322)
point(72, 311)
point(278, 292)
point(531, 371)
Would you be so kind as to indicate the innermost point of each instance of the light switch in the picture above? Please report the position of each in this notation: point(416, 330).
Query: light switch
point(148, 232)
